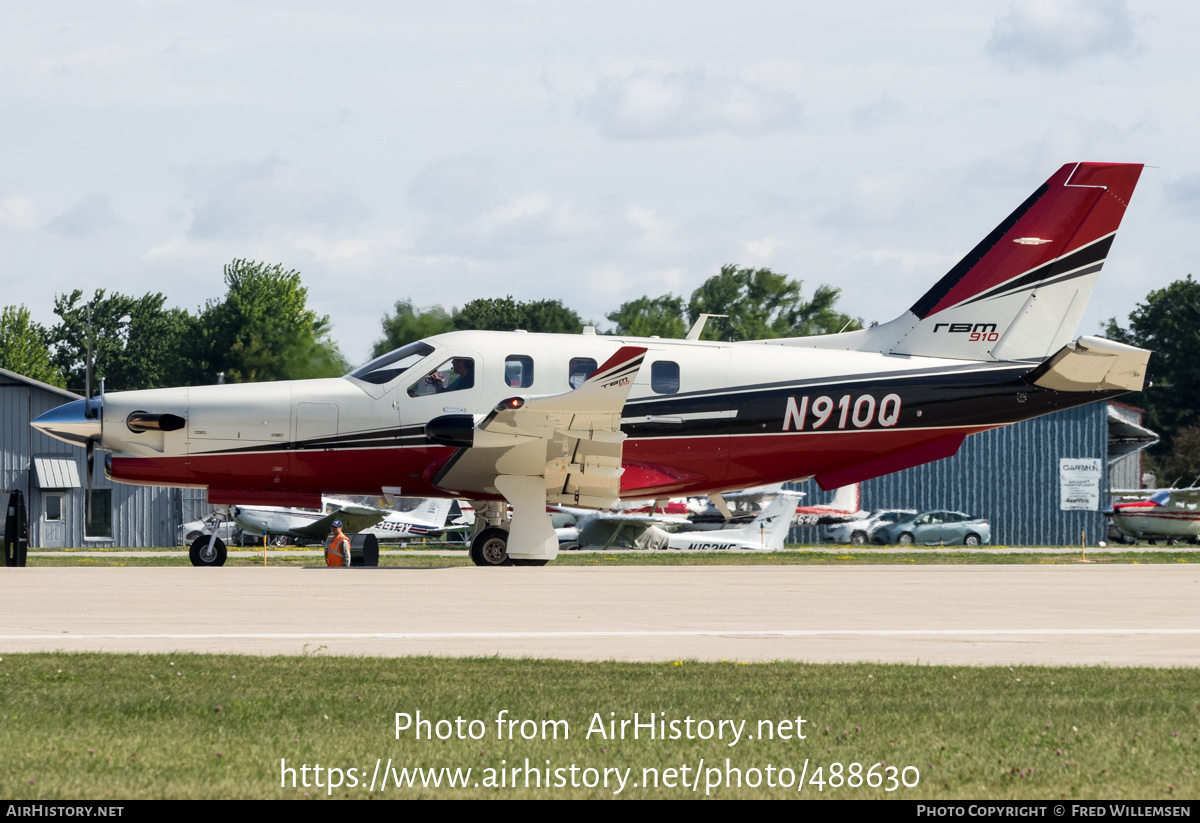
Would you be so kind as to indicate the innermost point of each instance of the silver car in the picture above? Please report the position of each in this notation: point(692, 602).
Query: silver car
point(860, 532)
point(938, 528)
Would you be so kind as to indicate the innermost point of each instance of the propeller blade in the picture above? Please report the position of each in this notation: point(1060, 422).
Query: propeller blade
point(87, 387)
point(90, 459)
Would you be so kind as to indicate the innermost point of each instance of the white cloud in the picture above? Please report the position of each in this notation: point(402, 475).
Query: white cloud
point(658, 235)
point(18, 214)
point(876, 200)
point(762, 248)
point(94, 213)
point(872, 114)
point(918, 260)
point(1183, 192)
point(650, 104)
point(457, 185)
point(1056, 33)
point(246, 199)
point(526, 206)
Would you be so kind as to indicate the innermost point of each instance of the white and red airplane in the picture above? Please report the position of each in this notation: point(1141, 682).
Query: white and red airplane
point(586, 420)
point(1167, 514)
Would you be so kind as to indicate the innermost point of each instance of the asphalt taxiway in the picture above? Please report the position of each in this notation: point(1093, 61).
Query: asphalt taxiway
point(1110, 614)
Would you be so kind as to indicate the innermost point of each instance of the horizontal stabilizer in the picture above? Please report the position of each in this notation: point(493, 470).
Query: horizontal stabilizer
point(1093, 364)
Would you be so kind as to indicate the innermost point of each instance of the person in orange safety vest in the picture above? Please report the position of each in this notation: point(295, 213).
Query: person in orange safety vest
point(337, 553)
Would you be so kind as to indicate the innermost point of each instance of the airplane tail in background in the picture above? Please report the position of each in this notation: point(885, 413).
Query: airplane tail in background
point(432, 512)
point(1021, 292)
point(770, 528)
point(847, 498)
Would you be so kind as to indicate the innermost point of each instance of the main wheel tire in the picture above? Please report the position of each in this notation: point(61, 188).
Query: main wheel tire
point(201, 555)
point(858, 539)
point(490, 548)
point(278, 541)
point(971, 540)
point(906, 539)
point(516, 561)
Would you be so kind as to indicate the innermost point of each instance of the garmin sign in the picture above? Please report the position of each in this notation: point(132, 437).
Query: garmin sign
point(1079, 483)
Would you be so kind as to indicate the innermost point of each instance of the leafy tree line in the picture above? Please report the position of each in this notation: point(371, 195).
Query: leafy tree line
point(1168, 323)
point(759, 304)
point(262, 328)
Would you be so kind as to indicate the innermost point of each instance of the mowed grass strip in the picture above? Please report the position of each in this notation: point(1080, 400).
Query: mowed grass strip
point(95, 726)
point(966, 557)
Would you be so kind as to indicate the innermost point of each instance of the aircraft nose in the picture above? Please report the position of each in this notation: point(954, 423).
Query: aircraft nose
point(74, 422)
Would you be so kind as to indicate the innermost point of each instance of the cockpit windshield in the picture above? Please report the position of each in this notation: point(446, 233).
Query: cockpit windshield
point(386, 367)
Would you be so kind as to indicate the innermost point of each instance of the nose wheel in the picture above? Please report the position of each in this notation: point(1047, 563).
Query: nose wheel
point(206, 551)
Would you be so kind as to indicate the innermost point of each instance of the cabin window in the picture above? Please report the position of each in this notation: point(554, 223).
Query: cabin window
point(581, 369)
point(518, 371)
point(664, 377)
point(383, 369)
point(455, 374)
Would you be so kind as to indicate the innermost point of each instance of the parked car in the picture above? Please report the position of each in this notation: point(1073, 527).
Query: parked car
point(860, 532)
point(229, 534)
point(938, 528)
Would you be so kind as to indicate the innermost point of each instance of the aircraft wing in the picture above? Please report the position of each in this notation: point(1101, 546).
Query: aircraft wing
point(572, 440)
point(354, 519)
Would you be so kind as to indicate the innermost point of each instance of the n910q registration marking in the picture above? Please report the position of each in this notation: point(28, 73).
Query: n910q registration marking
point(860, 413)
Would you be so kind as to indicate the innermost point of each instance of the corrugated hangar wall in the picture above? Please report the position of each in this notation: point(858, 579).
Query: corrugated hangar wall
point(1008, 476)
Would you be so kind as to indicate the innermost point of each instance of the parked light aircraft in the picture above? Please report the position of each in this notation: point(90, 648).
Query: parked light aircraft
point(765, 532)
point(587, 420)
point(845, 506)
point(427, 519)
point(1167, 514)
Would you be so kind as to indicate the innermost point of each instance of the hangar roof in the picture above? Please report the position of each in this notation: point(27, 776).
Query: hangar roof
point(12, 375)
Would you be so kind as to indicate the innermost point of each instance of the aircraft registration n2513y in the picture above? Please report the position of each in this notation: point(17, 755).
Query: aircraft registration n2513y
point(586, 420)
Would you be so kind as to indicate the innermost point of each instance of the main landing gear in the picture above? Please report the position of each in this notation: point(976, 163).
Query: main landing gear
point(489, 546)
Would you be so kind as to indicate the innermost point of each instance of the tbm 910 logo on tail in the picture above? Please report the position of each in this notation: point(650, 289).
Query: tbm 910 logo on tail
point(979, 331)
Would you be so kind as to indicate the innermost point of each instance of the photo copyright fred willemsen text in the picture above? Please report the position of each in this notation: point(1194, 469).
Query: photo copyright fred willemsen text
point(709, 774)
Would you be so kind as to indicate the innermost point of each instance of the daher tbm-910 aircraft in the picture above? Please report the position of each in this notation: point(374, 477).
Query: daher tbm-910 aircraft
point(586, 420)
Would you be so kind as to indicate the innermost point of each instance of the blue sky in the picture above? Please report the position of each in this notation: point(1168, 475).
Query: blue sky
point(591, 152)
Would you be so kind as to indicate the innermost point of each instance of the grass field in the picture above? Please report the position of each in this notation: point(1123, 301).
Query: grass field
point(866, 557)
point(92, 726)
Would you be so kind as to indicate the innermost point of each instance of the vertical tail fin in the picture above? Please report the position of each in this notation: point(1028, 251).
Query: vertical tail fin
point(1021, 292)
point(771, 526)
point(432, 512)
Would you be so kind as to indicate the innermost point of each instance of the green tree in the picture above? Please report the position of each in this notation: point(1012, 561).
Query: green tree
point(407, 324)
point(137, 343)
point(23, 347)
point(761, 304)
point(1182, 464)
point(263, 329)
point(650, 316)
point(505, 314)
point(1167, 323)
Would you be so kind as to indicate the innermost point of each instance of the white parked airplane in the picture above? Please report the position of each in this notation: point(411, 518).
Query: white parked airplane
point(507, 416)
point(765, 532)
point(426, 520)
